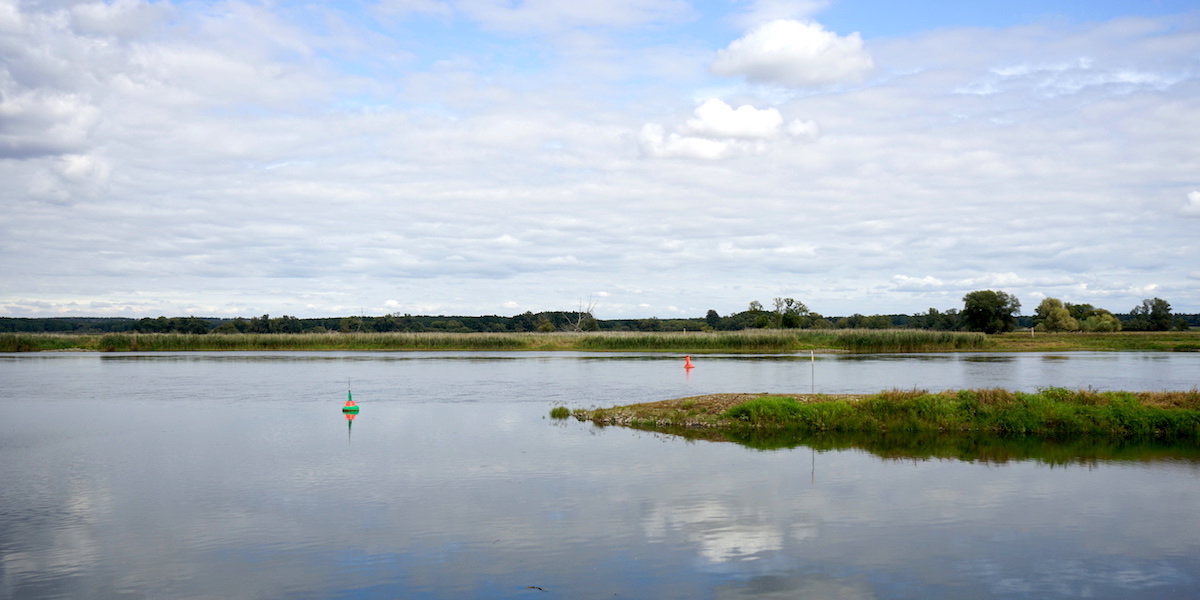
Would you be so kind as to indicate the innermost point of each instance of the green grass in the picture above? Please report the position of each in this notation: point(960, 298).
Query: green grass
point(752, 341)
point(1049, 413)
point(560, 412)
point(759, 341)
point(1182, 341)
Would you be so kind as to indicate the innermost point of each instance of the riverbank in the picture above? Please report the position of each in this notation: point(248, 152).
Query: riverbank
point(1052, 413)
point(769, 341)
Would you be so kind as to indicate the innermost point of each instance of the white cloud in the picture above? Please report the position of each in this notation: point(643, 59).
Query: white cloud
point(718, 130)
point(1191, 206)
point(656, 143)
point(804, 129)
point(716, 119)
point(795, 54)
point(44, 122)
point(236, 156)
point(1051, 79)
point(994, 280)
point(915, 284)
point(124, 18)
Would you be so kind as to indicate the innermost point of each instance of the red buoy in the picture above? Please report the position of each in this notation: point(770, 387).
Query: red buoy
point(687, 362)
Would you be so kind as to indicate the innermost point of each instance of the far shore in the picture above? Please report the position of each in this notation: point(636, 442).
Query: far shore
point(760, 341)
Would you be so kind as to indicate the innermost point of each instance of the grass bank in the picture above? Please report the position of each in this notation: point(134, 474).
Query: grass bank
point(754, 341)
point(1178, 341)
point(1051, 413)
point(768, 341)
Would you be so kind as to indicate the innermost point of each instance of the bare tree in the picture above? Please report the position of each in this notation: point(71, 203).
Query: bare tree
point(583, 319)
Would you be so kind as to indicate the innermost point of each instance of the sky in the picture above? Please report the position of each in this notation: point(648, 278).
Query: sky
point(644, 158)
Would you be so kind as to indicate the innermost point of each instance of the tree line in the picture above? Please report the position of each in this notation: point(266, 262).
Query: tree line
point(988, 311)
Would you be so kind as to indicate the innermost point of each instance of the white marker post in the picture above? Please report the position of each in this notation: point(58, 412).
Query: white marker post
point(812, 378)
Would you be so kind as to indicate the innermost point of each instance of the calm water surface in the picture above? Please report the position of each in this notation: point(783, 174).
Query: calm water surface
point(234, 475)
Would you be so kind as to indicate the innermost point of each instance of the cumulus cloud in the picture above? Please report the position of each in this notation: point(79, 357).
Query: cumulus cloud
point(1191, 206)
point(718, 130)
point(717, 119)
point(655, 142)
point(794, 54)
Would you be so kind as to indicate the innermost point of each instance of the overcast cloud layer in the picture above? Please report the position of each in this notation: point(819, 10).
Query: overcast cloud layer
point(653, 157)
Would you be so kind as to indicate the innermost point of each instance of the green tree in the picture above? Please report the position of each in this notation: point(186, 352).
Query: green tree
point(286, 324)
point(1100, 321)
point(385, 323)
point(990, 311)
point(935, 319)
point(226, 327)
point(789, 313)
point(713, 319)
point(651, 324)
point(851, 322)
point(1080, 311)
point(1153, 315)
point(757, 316)
point(543, 324)
point(346, 325)
point(877, 322)
point(1051, 315)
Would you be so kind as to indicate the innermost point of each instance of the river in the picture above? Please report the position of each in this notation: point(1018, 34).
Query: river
point(235, 475)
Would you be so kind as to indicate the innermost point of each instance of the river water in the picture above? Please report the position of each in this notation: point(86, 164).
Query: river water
point(234, 475)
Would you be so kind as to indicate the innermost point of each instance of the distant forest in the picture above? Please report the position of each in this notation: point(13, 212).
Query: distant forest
point(787, 313)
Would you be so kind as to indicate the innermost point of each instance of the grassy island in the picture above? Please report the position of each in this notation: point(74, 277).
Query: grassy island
point(1051, 413)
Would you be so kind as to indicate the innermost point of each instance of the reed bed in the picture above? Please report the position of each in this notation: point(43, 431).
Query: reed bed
point(909, 340)
point(309, 341)
point(766, 341)
point(770, 340)
point(42, 342)
point(750, 341)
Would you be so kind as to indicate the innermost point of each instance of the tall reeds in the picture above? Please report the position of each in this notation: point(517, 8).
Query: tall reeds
point(770, 340)
point(746, 341)
point(39, 342)
point(312, 341)
point(909, 340)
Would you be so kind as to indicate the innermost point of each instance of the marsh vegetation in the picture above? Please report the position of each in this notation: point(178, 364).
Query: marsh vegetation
point(1050, 413)
point(764, 341)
